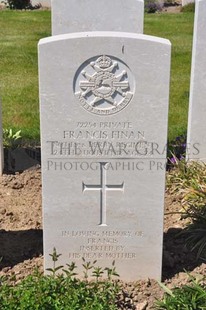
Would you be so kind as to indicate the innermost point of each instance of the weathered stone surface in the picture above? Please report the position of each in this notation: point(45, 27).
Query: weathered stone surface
point(104, 107)
point(196, 137)
point(97, 15)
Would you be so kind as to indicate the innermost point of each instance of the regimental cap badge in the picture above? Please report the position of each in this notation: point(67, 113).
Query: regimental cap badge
point(104, 85)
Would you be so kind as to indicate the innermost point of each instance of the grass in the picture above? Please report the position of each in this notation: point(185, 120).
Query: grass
point(178, 28)
point(190, 7)
point(19, 73)
point(20, 32)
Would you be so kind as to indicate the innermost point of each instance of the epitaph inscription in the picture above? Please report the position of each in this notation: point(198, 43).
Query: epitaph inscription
point(104, 85)
point(105, 244)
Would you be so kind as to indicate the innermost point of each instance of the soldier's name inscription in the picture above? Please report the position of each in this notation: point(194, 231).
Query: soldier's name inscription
point(104, 130)
point(108, 139)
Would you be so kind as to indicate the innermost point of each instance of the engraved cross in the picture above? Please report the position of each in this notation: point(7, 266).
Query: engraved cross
point(103, 187)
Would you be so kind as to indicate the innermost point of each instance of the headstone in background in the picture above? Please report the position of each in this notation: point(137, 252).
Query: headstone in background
point(96, 15)
point(104, 110)
point(20, 159)
point(185, 2)
point(44, 3)
point(196, 135)
point(1, 144)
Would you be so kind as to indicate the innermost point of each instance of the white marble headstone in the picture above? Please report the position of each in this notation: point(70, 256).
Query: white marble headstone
point(104, 109)
point(96, 15)
point(1, 144)
point(196, 135)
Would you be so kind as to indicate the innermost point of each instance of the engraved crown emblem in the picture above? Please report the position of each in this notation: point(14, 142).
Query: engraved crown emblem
point(104, 62)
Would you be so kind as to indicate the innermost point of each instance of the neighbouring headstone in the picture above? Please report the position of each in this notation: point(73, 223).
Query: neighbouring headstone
point(196, 137)
point(1, 144)
point(44, 3)
point(20, 159)
point(104, 109)
point(70, 16)
point(185, 2)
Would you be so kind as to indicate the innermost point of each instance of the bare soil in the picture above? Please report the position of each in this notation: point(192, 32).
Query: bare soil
point(172, 9)
point(21, 245)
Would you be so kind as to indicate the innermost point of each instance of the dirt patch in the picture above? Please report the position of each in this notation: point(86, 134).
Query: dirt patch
point(172, 9)
point(21, 244)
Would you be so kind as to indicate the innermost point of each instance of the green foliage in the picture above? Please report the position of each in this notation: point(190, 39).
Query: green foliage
point(187, 181)
point(188, 297)
point(61, 291)
point(190, 7)
point(196, 237)
point(10, 139)
point(151, 6)
point(169, 3)
point(20, 5)
point(17, 4)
